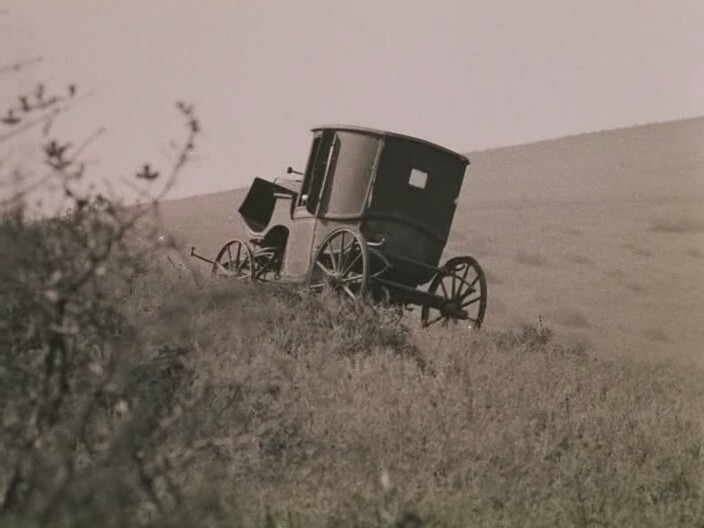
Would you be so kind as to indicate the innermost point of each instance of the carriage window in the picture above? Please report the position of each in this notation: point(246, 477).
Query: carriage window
point(350, 174)
point(315, 171)
point(418, 179)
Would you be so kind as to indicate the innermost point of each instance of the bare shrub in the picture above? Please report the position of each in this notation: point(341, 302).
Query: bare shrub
point(76, 416)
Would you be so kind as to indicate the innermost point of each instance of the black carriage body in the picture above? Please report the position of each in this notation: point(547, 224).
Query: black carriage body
point(411, 206)
point(399, 192)
point(371, 215)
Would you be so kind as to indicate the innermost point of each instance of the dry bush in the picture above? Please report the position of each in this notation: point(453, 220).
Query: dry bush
point(77, 414)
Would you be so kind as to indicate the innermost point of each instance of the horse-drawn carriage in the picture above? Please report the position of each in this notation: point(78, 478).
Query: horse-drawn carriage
point(369, 217)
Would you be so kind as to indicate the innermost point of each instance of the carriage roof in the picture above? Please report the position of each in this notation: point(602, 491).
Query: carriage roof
point(361, 172)
point(386, 134)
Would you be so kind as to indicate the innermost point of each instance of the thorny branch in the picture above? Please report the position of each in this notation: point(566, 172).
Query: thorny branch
point(63, 284)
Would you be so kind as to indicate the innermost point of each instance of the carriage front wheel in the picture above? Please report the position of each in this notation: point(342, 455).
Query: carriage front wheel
point(236, 260)
point(462, 286)
point(342, 263)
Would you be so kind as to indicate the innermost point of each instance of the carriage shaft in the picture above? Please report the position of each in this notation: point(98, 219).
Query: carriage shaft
point(200, 257)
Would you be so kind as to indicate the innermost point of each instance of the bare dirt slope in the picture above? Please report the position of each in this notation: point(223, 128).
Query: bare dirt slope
point(601, 235)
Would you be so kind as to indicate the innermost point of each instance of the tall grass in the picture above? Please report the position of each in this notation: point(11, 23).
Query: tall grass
point(339, 414)
point(276, 407)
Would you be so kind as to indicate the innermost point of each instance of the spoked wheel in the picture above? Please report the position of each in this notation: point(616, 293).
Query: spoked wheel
point(235, 259)
point(462, 285)
point(341, 262)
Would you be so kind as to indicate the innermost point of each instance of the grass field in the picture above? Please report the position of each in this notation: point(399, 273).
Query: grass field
point(321, 414)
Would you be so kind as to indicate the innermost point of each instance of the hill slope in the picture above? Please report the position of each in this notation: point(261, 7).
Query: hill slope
point(601, 235)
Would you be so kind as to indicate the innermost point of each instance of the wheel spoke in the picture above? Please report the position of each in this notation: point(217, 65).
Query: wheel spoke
point(435, 320)
point(466, 271)
point(348, 268)
point(471, 301)
point(223, 269)
point(348, 291)
point(336, 257)
point(327, 250)
point(243, 265)
point(476, 279)
point(344, 257)
point(336, 250)
point(355, 278)
point(463, 291)
point(342, 260)
point(338, 262)
point(444, 290)
point(229, 255)
point(323, 267)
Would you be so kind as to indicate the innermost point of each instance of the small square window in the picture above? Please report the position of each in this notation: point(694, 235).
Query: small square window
point(418, 179)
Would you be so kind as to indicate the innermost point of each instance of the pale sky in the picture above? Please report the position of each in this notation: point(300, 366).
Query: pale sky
point(466, 74)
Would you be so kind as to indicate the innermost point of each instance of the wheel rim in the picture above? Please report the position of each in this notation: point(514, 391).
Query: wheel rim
point(342, 263)
point(463, 286)
point(234, 260)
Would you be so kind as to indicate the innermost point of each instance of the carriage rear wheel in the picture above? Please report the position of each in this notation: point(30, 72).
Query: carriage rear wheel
point(235, 259)
point(342, 263)
point(462, 285)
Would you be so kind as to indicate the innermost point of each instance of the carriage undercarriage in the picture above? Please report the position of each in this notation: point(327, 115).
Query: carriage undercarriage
point(349, 265)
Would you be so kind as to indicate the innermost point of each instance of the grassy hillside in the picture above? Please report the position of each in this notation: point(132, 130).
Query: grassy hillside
point(601, 234)
point(321, 413)
point(227, 404)
point(137, 392)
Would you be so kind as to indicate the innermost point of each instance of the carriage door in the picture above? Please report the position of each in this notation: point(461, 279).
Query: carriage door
point(302, 234)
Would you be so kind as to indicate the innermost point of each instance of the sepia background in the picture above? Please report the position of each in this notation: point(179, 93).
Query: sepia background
point(136, 390)
point(467, 75)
